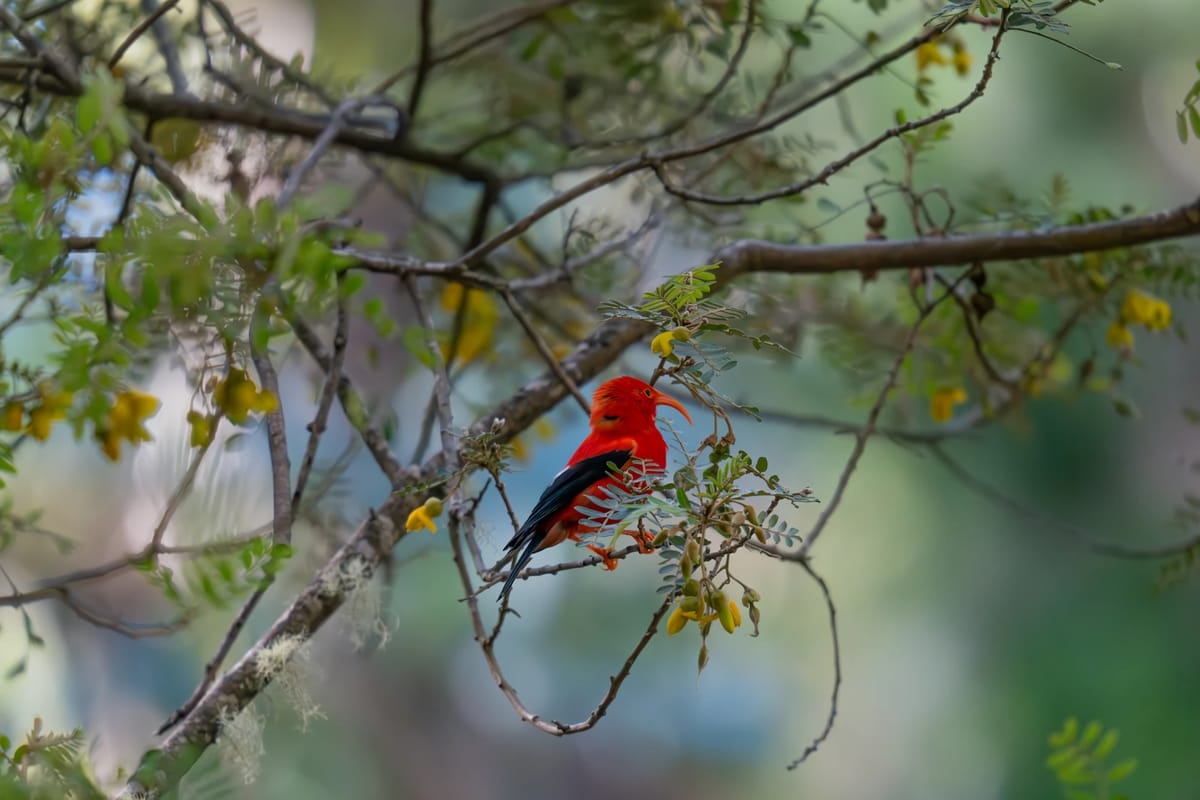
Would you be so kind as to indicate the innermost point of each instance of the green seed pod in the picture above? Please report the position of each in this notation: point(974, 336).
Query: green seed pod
point(660, 538)
point(691, 605)
point(686, 566)
point(760, 534)
point(693, 550)
point(725, 614)
point(681, 334)
point(751, 513)
point(691, 588)
point(754, 617)
point(702, 659)
point(738, 519)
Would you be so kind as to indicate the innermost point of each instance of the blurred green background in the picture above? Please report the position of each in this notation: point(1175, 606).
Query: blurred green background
point(967, 633)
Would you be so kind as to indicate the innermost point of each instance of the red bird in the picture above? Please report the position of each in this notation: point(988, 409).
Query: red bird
point(623, 434)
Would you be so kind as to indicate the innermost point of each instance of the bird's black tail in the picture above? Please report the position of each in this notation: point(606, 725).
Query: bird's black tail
point(518, 565)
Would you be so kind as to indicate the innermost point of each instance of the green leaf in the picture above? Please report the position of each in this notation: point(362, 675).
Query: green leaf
point(798, 36)
point(1122, 770)
point(415, 341)
point(1194, 118)
point(87, 112)
point(1091, 733)
point(1106, 745)
point(530, 50)
point(102, 149)
point(1125, 408)
point(1181, 127)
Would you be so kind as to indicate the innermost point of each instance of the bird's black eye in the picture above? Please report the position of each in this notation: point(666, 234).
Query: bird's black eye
point(647, 392)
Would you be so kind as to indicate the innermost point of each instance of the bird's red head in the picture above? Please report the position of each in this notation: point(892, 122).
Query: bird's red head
point(627, 401)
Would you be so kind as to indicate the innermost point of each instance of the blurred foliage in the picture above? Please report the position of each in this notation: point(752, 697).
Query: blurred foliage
point(1081, 760)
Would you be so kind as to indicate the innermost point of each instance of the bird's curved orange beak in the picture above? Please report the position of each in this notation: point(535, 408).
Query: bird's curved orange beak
point(661, 399)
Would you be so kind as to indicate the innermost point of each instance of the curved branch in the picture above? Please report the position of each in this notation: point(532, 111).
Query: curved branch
point(837, 668)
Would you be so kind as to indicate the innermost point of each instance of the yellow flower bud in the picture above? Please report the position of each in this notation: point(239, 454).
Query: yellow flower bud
point(943, 401)
point(961, 60)
point(14, 416)
point(676, 622)
point(1119, 335)
point(928, 54)
point(737, 614)
point(663, 344)
point(40, 420)
point(419, 519)
point(202, 428)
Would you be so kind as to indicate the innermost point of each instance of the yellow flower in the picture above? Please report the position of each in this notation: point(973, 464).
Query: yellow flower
point(1119, 335)
point(40, 420)
point(237, 396)
point(202, 428)
point(422, 516)
point(544, 428)
point(125, 421)
point(1143, 309)
point(51, 406)
point(480, 316)
point(14, 416)
point(737, 614)
point(961, 60)
point(941, 405)
point(130, 409)
point(676, 622)
point(663, 344)
point(927, 54)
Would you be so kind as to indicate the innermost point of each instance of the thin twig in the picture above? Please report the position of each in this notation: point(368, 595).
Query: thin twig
point(141, 28)
point(214, 664)
point(486, 643)
point(820, 738)
point(332, 378)
point(864, 434)
point(424, 58)
point(836, 166)
point(544, 350)
point(281, 466)
point(1002, 500)
point(350, 401)
point(471, 39)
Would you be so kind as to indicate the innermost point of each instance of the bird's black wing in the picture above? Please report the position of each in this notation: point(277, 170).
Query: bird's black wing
point(566, 487)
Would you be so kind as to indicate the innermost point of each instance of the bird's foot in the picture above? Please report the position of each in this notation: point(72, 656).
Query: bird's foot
point(644, 541)
point(605, 554)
